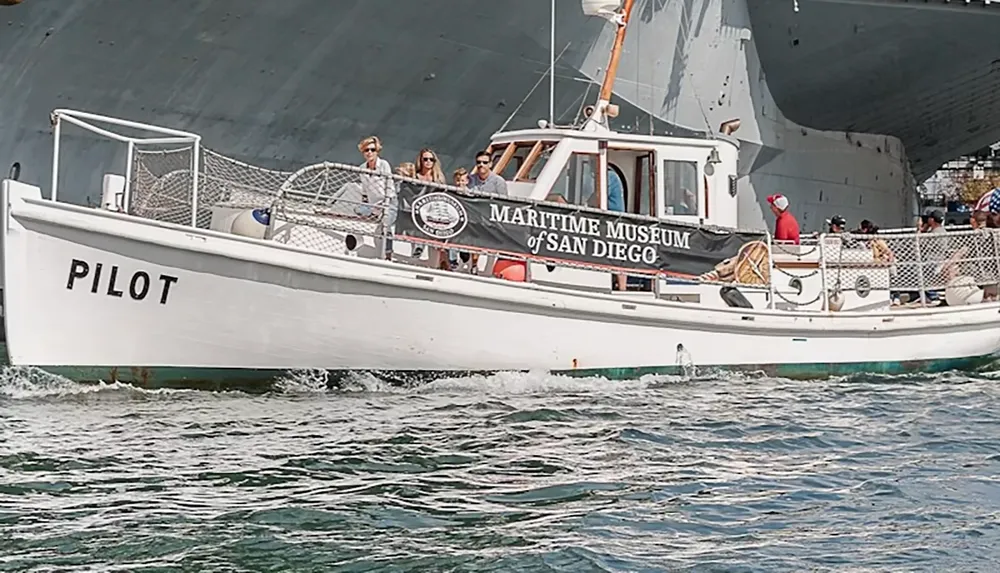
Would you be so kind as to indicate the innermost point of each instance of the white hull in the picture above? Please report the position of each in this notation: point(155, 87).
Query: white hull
point(237, 303)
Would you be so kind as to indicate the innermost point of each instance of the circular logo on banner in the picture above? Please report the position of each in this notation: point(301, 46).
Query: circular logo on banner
point(439, 215)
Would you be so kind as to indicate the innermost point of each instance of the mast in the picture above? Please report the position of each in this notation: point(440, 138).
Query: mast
point(600, 115)
point(552, 67)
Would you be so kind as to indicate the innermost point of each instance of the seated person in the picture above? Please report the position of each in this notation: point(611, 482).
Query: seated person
point(688, 204)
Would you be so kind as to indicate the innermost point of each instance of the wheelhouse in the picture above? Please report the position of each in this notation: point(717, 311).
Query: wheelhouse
point(689, 180)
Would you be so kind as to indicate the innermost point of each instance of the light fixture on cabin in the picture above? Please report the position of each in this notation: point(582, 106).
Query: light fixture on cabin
point(542, 124)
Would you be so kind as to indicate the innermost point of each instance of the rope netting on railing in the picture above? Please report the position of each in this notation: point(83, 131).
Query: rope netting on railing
point(162, 185)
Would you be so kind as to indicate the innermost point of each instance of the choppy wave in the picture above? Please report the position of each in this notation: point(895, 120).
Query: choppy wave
point(511, 472)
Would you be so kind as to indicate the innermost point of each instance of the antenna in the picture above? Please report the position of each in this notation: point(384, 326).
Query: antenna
point(552, 67)
point(530, 92)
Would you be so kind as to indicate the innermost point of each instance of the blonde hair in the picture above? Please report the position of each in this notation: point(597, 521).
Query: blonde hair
point(460, 172)
point(368, 141)
point(406, 169)
point(437, 175)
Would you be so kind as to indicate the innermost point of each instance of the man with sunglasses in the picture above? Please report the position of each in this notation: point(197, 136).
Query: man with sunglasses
point(483, 179)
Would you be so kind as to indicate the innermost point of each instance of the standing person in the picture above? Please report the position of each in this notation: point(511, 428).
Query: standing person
point(836, 224)
point(483, 179)
point(406, 169)
point(867, 228)
point(429, 170)
point(786, 227)
point(460, 178)
point(379, 187)
point(616, 203)
point(429, 167)
point(934, 253)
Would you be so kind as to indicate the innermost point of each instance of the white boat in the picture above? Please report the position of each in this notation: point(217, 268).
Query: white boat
point(198, 267)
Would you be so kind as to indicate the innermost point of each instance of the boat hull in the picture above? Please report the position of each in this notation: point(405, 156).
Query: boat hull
point(101, 295)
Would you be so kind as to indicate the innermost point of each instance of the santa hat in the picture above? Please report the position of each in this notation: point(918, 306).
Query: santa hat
point(779, 201)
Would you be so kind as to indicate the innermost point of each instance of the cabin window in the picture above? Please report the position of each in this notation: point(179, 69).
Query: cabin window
point(524, 154)
point(642, 199)
point(680, 187)
point(577, 182)
point(498, 155)
point(535, 161)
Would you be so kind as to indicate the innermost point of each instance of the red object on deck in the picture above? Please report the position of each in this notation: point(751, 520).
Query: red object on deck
point(516, 271)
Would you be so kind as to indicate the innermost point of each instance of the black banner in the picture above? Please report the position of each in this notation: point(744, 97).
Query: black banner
point(549, 231)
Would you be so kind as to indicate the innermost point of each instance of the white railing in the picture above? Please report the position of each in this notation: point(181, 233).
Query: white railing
point(173, 137)
point(924, 266)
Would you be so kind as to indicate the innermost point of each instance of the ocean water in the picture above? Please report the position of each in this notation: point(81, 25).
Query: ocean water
point(510, 473)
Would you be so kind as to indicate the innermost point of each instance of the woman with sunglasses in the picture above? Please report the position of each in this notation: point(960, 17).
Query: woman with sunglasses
point(429, 167)
point(429, 170)
point(378, 187)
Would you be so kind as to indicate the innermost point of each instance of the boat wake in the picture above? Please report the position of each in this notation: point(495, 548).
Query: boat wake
point(33, 383)
point(29, 383)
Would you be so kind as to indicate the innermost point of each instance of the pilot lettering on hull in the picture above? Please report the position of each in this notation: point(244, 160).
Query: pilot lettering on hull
point(112, 282)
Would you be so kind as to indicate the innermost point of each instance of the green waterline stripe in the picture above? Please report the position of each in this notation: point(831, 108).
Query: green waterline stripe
point(218, 378)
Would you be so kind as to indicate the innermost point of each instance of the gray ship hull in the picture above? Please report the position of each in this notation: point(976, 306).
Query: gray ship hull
point(282, 84)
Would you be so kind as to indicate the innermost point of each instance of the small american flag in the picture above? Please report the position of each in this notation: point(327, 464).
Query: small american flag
point(990, 201)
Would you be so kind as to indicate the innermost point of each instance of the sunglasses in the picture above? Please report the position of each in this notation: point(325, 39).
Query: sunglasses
point(431, 159)
point(481, 162)
point(370, 150)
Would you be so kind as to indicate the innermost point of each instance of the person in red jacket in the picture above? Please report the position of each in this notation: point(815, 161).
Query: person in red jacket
point(786, 228)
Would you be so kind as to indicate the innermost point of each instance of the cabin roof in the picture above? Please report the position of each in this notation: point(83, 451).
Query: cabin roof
point(557, 134)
